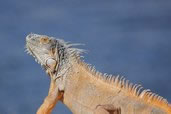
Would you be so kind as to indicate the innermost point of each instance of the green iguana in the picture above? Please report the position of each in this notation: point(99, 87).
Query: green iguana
point(83, 89)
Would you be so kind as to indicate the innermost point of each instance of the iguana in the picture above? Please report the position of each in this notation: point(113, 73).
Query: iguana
point(83, 89)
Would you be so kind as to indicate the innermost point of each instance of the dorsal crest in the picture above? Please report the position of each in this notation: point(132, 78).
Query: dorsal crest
point(135, 91)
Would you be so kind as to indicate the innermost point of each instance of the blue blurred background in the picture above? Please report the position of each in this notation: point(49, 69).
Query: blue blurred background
point(130, 38)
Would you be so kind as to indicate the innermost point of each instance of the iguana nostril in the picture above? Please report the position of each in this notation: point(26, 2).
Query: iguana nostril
point(29, 37)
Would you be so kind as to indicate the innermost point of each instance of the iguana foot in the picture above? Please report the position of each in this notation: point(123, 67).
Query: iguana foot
point(107, 109)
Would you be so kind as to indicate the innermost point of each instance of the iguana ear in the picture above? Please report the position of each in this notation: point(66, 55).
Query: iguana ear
point(51, 63)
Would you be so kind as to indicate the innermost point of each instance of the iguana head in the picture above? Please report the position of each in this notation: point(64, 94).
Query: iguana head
point(53, 54)
point(43, 49)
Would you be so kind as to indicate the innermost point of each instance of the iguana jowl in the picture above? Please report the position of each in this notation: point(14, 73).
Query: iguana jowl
point(83, 89)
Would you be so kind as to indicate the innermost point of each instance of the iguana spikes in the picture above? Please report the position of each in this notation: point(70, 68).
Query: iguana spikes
point(131, 89)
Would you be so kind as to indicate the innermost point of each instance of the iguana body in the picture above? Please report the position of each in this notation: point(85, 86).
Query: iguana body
point(84, 90)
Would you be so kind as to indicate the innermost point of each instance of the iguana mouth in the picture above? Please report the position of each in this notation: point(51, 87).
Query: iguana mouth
point(30, 52)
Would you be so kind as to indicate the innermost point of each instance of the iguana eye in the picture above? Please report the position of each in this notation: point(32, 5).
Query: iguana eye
point(44, 40)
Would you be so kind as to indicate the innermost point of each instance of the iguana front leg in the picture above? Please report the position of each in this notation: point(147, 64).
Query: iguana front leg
point(50, 101)
point(107, 109)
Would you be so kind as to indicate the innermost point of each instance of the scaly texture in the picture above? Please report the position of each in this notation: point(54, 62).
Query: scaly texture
point(83, 89)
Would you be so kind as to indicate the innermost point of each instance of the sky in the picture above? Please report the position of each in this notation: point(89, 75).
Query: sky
point(130, 38)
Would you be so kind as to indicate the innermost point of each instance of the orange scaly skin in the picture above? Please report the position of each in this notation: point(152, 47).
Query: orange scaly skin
point(50, 101)
point(83, 89)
